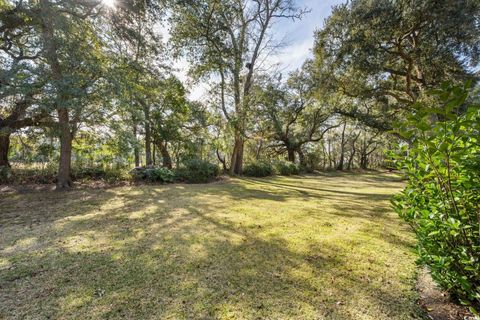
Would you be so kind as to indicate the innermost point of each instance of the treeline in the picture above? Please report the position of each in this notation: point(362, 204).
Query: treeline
point(93, 83)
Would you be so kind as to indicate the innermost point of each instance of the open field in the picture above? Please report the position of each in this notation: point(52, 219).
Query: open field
point(312, 247)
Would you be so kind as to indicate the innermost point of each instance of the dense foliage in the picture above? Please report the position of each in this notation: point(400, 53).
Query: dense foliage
point(153, 174)
point(196, 171)
point(442, 198)
point(258, 169)
point(286, 168)
point(381, 56)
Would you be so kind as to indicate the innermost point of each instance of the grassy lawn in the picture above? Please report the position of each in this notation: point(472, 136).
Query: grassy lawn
point(313, 247)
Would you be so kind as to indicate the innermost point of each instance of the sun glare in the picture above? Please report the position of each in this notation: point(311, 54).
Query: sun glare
point(109, 3)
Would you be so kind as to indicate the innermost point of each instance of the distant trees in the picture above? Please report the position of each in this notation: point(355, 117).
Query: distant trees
point(227, 39)
point(292, 116)
point(82, 84)
point(139, 69)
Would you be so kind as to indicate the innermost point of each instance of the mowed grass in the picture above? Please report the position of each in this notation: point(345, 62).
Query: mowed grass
point(312, 247)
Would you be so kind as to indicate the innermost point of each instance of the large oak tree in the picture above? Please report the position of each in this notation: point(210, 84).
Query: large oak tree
point(226, 40)
point(386, 55)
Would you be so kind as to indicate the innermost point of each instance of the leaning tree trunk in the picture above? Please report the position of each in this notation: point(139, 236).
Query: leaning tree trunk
point(350, 160)
point(64, 180)
point(222, 161)
point(4, 147)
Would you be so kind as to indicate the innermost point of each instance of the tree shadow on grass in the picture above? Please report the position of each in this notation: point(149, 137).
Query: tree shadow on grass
point(46, 207)
point(317, 191)
point(165, 252)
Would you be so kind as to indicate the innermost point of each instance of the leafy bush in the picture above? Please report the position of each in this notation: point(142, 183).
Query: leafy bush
point(196, 171)
point(441, 201)
point(258, 169)
point(286, 168)
point(162, 175)
point(99, 173)
point(5, 174)
point(94, 173)
point(153, 174)
point(28, 174)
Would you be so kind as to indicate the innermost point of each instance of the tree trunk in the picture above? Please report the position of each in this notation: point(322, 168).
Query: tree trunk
point(239, 162)
point(341, 160)
point(364, 162)
point(301, 158)
point(148, 145)
point(354, 151)
point(64, 180)
point(363, 157)
point(259, 149)
point(350, 160)
point(136, 152)
point(222, 161)
point(331, 162)
point(4, 147)
point(154, 155)
point(342, 148)
point(236, 166)
point(166, 159)
point(291, 155)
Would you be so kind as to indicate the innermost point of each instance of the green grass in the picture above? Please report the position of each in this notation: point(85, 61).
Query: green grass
point(314, 247)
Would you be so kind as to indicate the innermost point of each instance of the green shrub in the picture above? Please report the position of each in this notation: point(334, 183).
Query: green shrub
point(93, 173)
point(286, 168)
point(31, 174)
point(196, 171)
point(116, 174)
point(162, 175)
point(153, 174)
point(441, 201)
point(5, 174)
point(258, 169)
point(100, 173)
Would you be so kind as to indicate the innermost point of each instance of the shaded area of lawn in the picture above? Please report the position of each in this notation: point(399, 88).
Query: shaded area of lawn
point(313, 247)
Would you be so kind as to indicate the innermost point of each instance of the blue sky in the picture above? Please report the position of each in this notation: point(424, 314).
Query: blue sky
point(299, 35)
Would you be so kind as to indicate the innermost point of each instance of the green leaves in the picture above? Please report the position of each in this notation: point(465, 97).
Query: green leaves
point(442, 200)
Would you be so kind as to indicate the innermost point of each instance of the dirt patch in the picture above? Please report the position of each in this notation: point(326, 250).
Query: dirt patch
point(437, 303)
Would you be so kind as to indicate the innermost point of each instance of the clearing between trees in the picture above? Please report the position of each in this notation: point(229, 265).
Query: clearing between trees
point(312, 247)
